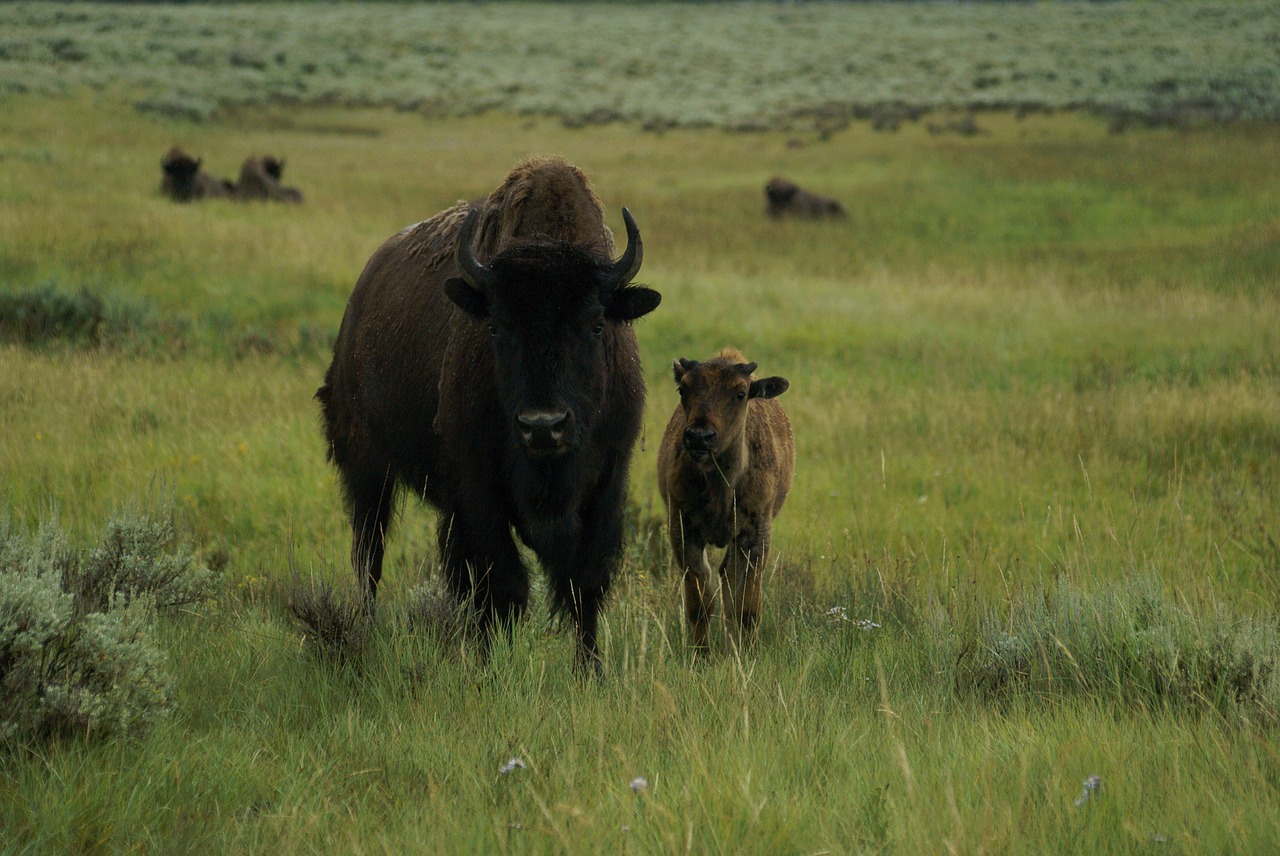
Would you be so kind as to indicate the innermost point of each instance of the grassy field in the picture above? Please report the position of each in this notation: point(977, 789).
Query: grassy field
point(1034, 535)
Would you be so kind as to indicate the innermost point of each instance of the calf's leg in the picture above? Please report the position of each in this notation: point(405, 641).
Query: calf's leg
point(743, 570)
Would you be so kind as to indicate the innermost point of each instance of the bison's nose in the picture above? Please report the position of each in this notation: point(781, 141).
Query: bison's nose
point(543, 430)
point(699, 439)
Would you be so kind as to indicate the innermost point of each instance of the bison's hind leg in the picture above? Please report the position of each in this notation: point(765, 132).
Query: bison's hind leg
point(371, 496)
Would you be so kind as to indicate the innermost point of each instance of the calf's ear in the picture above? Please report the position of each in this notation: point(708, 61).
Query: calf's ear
point(468, 299)
point(680, 366)
point(628, 304)
point(769, 387)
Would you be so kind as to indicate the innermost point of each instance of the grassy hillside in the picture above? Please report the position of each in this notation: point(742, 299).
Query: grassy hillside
point(1033, 537)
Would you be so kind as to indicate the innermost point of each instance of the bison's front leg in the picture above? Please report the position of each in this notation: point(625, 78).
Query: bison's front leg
point(481, 564)
point(743, 571)
point(584, 605)
point(582, 557)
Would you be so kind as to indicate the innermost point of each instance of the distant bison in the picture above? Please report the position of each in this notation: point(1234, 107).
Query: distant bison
point(724, 471)
point(786, 199)
point(487, 363)
point(183, 180)
point(260, 179)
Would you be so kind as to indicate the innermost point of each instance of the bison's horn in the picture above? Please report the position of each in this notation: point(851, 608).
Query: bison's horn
point(625, 269)
point(476, 275)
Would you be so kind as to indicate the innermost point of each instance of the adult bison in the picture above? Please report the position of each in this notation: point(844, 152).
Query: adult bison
point(184, 180)
point(487, 363)
point(260, 179)
point(785, 198)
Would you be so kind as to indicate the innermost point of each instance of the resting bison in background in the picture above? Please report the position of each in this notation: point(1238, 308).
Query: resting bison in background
point(724, 470)
point(184, 181)
point(260, 179)
point(786, 199)
point(486, 362)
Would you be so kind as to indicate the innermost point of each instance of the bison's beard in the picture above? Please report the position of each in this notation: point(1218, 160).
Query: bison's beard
point(547, 486)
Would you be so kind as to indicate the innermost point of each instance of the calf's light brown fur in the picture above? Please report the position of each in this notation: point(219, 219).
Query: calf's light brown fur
point(724, 471)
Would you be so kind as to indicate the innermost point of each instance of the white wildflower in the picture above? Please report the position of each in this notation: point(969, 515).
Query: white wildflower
point(1092, 785)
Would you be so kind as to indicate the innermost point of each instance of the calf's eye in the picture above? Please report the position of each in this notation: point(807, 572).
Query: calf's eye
point(741, 396)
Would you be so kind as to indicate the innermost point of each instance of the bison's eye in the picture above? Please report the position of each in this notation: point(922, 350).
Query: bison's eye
point(493, 328)
point(598, 329)
point(741, 396)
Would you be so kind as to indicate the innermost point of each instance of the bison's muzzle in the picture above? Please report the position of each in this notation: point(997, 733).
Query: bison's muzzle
point(699, 442)
point(545, 432)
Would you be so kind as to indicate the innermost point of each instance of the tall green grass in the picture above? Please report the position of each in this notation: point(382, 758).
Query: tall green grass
point(1032, 539)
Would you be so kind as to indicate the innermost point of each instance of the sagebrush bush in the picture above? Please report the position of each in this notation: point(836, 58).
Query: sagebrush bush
point(1127, 641)
point(139, 556)
point(77, 646)
point(44, 314)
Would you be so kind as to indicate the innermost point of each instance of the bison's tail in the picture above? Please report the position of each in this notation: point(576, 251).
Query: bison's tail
point(323, 395)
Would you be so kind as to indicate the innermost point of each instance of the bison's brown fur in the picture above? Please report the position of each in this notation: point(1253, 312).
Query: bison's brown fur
point(724, 471)
point(784, 198)
point(260, 179)
point(184, 181)
point(487, 363)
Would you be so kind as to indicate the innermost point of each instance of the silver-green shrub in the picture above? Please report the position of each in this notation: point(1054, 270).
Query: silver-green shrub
point(78, 653)
point(1127, 641)
point(139, 555)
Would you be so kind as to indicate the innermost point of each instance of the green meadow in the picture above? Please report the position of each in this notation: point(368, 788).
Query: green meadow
point(1034, 535)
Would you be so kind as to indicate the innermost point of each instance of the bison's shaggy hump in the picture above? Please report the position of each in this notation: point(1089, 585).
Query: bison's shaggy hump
point(486, 362)
point(724, 471)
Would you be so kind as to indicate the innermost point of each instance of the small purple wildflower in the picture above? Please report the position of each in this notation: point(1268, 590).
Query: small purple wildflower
point(639, 784)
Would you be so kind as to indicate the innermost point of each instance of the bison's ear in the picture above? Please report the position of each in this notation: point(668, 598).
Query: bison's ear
point(468, 299)
point(680, 366)
point(769, 387)
point(628, 304)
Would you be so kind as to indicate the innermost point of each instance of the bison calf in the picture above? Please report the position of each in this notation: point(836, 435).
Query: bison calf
point(786, 199)
point(724, 470)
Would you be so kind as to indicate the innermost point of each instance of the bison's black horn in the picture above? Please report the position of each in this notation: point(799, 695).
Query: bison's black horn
point(625, 269)
point(476, 275)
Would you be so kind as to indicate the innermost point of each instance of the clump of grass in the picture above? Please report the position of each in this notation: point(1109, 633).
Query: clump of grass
point(336, 624)
point(45, 314)
point(77, 647)
point(1127, 641)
